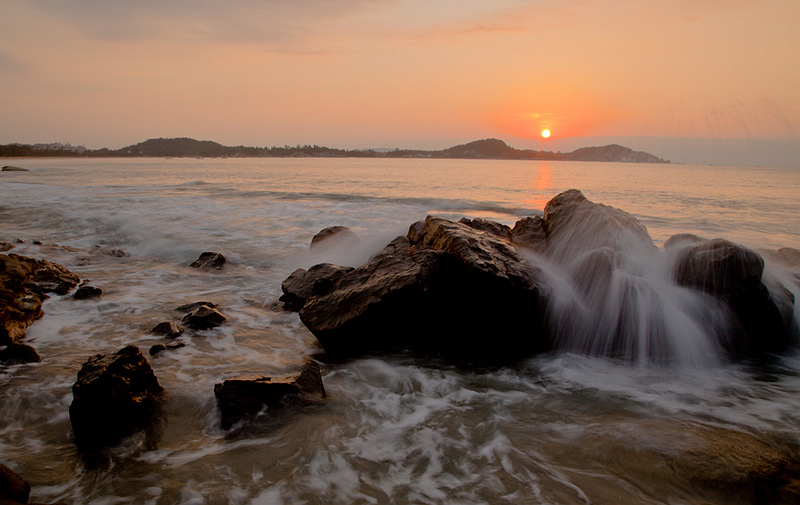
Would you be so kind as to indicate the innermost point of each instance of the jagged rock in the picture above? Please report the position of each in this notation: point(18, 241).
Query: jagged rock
point(85, 292)
point(247, 397)
point(302, 284)
point(497, 229)
point(528, 232)
point(13, 486)
point(334, 237)
point(114, 396)
point(209, 260)
point(16, 353)
point(203, 318)
point(168, 329)
point(733, 274)
point(423, 291)
point(157, 348)
point(24, 283)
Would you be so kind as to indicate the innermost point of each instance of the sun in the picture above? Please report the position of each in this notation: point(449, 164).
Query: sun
point(545, 133)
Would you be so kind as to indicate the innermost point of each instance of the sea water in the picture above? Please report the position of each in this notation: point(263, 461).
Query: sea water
point(566, 427)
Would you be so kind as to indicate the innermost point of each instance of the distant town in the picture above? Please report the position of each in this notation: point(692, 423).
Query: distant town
point(187, 147)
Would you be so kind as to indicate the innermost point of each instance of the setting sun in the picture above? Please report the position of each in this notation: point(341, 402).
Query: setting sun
point(545, 133)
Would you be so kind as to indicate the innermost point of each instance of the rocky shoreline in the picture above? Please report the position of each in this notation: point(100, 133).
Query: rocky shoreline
point(465, 291)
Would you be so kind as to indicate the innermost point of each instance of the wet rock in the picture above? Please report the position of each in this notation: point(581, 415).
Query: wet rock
point(114, 253)
point(17, 353)
point(13, 486)
point(5, 246)
point(446, 288)
point(12, 168)
point(24, 283)
point(787, 256)
point(157, 348)
point(247, 397)
point(334, 238)
point(528, 232)
point(85, 292)
point(209, 260)
point(682, 239)
point(194, 306)
point(114, 396)
point(302, 284)
point(497, 229)
point(167, 329)
point(733, 274)
point(204, 318)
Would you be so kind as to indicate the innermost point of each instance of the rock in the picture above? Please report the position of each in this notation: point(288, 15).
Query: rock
point(17, 353)
point(247, 397)
point(497, 229)
point(24, 283)
point(5, 246)
point(334, 237)
point(682, 239)
point(445, 286)
point(114, 253)
point(787, 256)
point(12, 168)
point(167, 329)
point(189, 307)
point(157, 348)
point(85, 292)
point(13, 486)
point(733, 274)
point(209, 260)
point(302, 284)
point(203, 318)
point(113, 397)
point(528, 232)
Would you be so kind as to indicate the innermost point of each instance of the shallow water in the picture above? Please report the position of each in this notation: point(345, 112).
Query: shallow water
point(561, 428)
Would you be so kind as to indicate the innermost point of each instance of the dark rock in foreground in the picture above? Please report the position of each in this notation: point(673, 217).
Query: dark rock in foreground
point(113, 397)
point(13, 486)
point(246, 397)
point(17, 353)
point(734, 274)
point(209, 260)
point(204, 318)
point(24, 283)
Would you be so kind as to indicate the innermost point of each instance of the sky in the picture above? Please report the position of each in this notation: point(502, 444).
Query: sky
point(705, 81)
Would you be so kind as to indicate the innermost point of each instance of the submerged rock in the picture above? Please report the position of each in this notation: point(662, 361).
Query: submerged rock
point(334, 238)
point(209, 260)
point(204, 318)
point(24, 283)
point(17, 353)
point(12, 168)
point(247, 397)
point(114, 396)
point(733, 274)
point(157, 348)
point(167, 329)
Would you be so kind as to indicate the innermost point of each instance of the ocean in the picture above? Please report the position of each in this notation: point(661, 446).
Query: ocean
point(558, 428)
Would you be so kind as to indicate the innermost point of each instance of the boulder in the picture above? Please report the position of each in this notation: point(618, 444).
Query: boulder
point(497, 229)
point(303, 283)
point(528, 232)
point(209, 260)
point(24, 283)
point(85, 292)
point(16, 353)
point(733, 274)
point(167, 329)
point(13, 486)
point(444, 286)
point(204, 318)
point(114, 396)
point(334, 238)
point(248, 397)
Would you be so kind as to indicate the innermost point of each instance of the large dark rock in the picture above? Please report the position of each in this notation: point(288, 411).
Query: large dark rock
point(13, 486)
point(114, 396)
point(733, 274)
point(209, 260)
point(85, 292)
point(204, 318)
point(246, 397)
point(17, 353)
point(24, 283)
point(167, 329)
point(528, 232)
point(303, 283)
point(445, 286)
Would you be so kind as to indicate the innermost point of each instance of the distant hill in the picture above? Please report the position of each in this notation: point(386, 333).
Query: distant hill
point(490, 149)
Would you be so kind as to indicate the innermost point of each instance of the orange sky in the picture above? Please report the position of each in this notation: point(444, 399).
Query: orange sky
point(395, 73)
